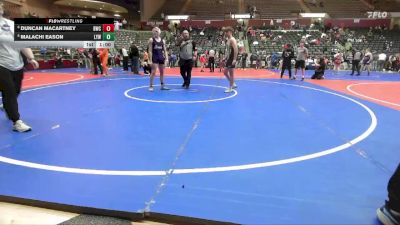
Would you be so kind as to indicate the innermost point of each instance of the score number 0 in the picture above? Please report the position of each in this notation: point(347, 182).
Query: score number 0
point(108, 27)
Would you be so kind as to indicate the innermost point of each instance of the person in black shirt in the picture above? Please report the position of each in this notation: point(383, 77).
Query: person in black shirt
point(96, 62)
point(244, 59)
point(319, 69)
point(287, 56)
point(134, 56)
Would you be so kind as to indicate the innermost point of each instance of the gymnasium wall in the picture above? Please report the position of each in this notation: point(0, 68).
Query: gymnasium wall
point(42, 8)
point(361, 23)
point(149, 7)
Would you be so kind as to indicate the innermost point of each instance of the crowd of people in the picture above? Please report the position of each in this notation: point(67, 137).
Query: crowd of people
point(297, 56)
point(211, 56)
point(340, 41)
point(343, 57)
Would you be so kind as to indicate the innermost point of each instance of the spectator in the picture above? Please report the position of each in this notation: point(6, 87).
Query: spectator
point(258, 62)
point(381, 61)
point(244, 60)
point(59, 60)
point(145, 56)
point(117, 60)
point(211, 60)
point(96, 62)
point(337, 61)
point(375, 58)
point(134, 56)
point(203, 61)
point(394, 65)
point(43, 52)
point(111, 61)
point(125, 58)
point(88, 60)
point(274, 60)
point(320, 67)
point(173, 59)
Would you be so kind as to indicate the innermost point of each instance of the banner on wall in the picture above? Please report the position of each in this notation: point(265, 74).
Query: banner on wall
point(377, 15)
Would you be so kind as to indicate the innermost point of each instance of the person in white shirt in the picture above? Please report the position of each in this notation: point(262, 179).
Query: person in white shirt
point(302, 55)
point(211, 60)
point(125, 58)
point(381, 61)
point(117, 25)
point(337, 61)
point(12, 71)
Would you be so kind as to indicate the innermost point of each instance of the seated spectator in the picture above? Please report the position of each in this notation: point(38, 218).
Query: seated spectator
point(80, 63)
point(146, 68)
point(43, 52)
point(173, 60)
point(258, 62)
point(59, 61)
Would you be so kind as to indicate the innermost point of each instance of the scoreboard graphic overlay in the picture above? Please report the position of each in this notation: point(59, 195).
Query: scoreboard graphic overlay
point(65, 32)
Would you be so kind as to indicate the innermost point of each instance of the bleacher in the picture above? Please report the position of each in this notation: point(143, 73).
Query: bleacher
point(199, 9)
point(171, 7)
point(276, 9)
point(386, 5)
point(293, 37)
point(211, 39)
point(273, 9)
point(124, 38)
point(341, 8)
point(377, 42)
point(204, 10)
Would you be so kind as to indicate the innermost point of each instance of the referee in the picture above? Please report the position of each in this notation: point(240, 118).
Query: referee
point(11, 71)
point(187, 55)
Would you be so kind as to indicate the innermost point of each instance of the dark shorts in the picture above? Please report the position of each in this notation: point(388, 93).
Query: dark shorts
point(157, 60)
point(300, 64)
point(229, 65)
point(185, 63)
